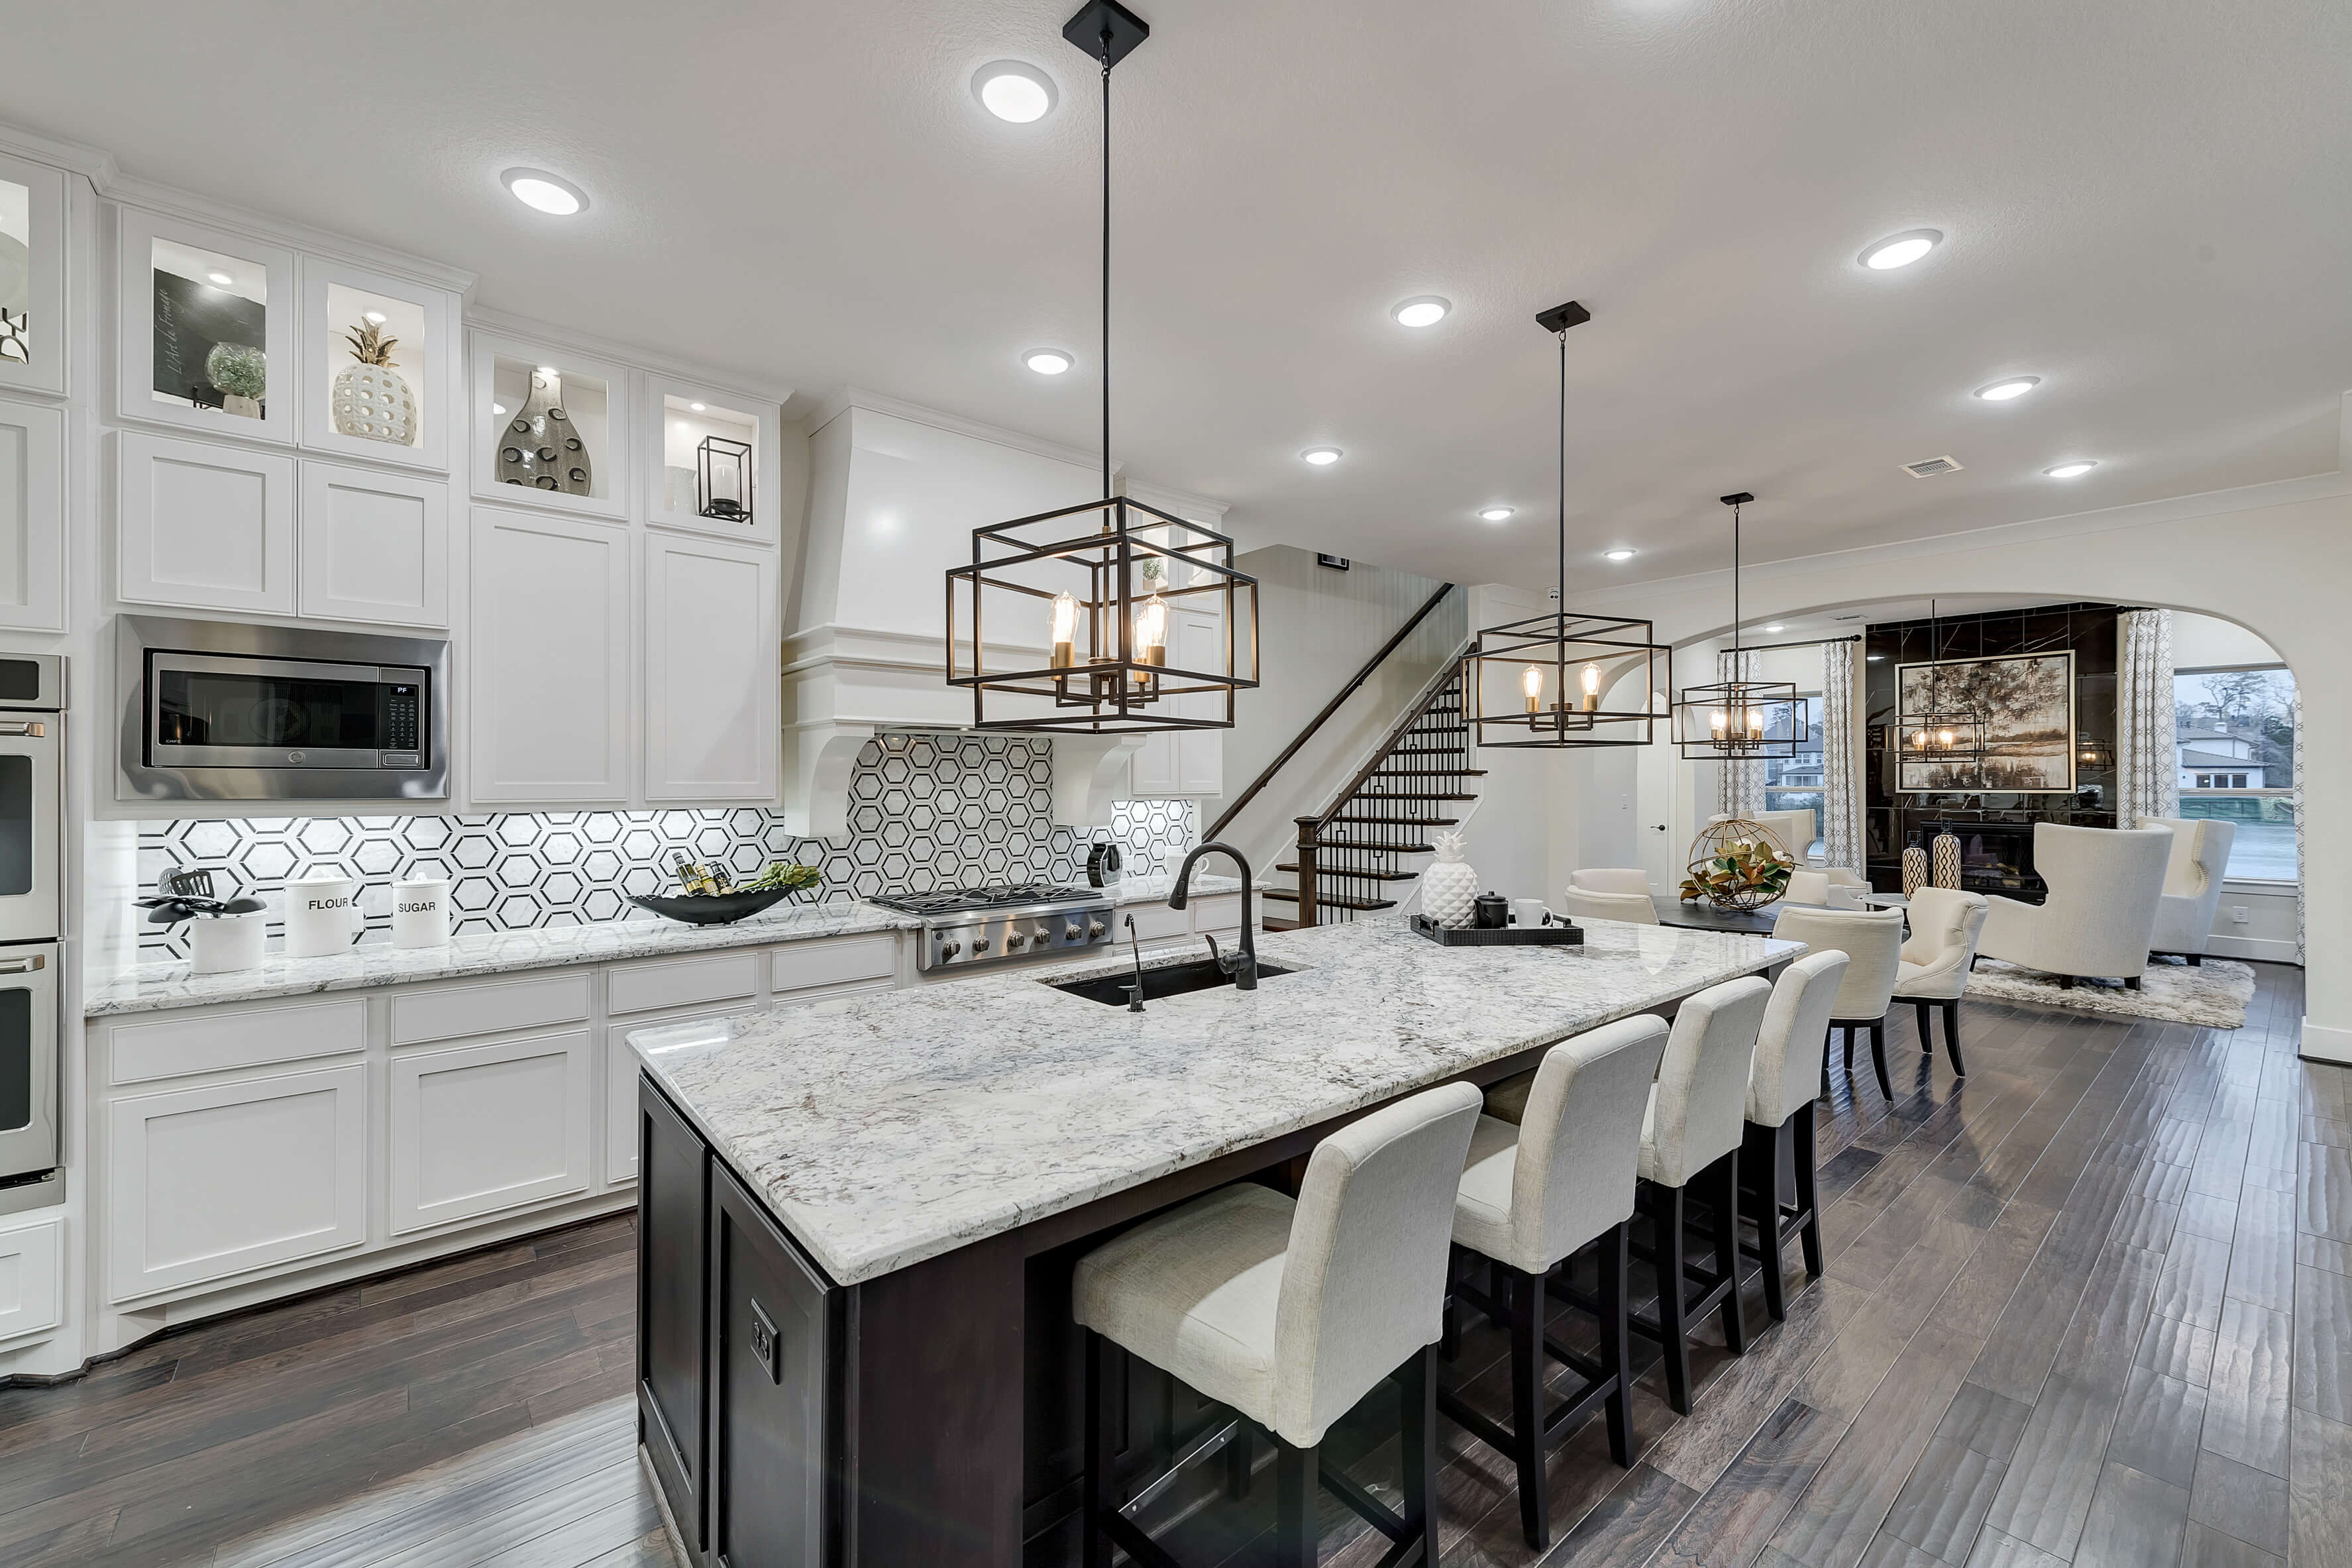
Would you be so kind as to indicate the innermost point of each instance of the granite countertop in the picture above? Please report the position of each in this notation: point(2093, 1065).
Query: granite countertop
point(891, 1127)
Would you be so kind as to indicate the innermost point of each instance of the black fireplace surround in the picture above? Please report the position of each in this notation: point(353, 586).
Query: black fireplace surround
point(1995, 857)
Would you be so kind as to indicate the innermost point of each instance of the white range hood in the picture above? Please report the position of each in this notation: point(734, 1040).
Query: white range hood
point(893, 494)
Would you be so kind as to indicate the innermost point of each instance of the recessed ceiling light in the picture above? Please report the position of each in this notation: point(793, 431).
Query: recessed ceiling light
point(1426, 310)
point(2002, 391)
point(1047, 361)
point(543, 192)
point(374, 318)
point(696, 407)
point(1776, 626)
point(220, 279)
point(1321, 456)
point(1013, 91)
point(1901, 250)
point(1495, 514)
point(2070, 469)
point(1619, 554)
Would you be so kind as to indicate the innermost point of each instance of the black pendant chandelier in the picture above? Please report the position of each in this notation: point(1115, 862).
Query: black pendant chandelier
point(1740, 720)
point(1540, 683)
point(1093, 618)
point(1933, 732)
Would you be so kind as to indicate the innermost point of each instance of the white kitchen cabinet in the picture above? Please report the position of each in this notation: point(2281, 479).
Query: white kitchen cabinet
point(209, 1182)
point(549, 664)
point(35, 330)
point(675, 418)
point(32, 1281)
point(32, 513)
point(483, 1129)
point(184, 293)
point(203, 525)
point(713, 627)
point(1192, 761)
point(373, 547)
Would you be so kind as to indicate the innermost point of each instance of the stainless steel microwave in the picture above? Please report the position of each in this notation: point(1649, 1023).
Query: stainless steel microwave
point(226, 711)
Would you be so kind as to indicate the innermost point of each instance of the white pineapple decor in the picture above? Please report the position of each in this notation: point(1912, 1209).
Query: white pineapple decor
point(1449, 888)
point(371, 400)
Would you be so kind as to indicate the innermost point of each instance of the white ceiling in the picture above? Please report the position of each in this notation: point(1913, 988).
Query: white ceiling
point(2145, 201)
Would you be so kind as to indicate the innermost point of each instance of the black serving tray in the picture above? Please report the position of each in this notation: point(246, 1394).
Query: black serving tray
point(1502, 937)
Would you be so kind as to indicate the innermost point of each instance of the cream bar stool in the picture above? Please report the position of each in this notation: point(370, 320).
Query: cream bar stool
point(1290, 1313)
point(1690, 1138)
point(1872, 938)
point(1791, 1050)
point(1935, 962)
point(1534, 1195)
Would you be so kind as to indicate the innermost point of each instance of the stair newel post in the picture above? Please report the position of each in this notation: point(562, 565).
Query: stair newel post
point(1310, 830)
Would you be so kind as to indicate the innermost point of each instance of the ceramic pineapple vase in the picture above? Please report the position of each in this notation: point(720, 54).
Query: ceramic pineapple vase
point(1449, 888)
point(371, 400)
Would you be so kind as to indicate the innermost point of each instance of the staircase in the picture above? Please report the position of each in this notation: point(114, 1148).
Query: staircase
point(1351, 856)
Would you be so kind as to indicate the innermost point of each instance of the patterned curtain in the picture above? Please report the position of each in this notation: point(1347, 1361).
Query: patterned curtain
point(2295, 803)
point(1739, 786)
point(2147, 755)
point(1841, 779)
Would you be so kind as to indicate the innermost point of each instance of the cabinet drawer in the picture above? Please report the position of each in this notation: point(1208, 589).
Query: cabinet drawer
point(32, 1281)
point(488, 1009)
point(842, 961)
point(1220, 914)
point(680, 982)
point(177, 1047)
point(1152, 921)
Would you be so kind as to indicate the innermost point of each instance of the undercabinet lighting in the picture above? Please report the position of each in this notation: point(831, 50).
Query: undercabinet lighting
point(2071, 469)
point(1011, 90)
point(1047, 361)
point(1321, 456)
point(1424, 310)
point(1619, 554)
point(1901, 250)
point(220, 279)
point(543, 192)
point(1495, 514)
point(2002, 391)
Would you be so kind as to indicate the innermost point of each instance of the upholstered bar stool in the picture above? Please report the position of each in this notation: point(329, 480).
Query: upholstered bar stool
point(1691, 1136)
point(1534, 1195)
point(1934, 961)
point(1290, 1313)
point(1789, 1051)
point(1872, 938)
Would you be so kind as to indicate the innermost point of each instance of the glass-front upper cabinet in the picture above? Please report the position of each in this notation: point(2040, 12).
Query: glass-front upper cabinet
point(707, 460)
point(551, 425)
point(376, 356)
point(207, 329)
point(32, 276)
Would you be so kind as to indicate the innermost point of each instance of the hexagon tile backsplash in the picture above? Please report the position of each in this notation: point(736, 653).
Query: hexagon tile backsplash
point(927, 811)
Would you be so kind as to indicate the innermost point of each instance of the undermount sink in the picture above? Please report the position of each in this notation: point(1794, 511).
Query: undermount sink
point(1167, 980)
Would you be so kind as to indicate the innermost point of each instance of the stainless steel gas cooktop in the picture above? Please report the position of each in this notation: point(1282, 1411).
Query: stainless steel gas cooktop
point(1001, 921)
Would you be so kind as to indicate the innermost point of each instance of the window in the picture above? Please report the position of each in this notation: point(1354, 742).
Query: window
point(2243, 718)
point(1794, 783)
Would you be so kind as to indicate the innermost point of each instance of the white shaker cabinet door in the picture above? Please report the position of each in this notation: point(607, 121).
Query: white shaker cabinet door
point(375, 547)
point(1199, 753)
point(713, 634)
point(32, 1281)
point(32, 516)
point(488, 1128)
point(203, 1184)
point(204, 527)
point(548, 668)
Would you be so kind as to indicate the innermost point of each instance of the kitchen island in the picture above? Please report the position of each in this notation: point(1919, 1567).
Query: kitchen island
point(858, 1219)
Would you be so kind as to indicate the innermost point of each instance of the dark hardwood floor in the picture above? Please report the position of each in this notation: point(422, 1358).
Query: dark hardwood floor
point(2095, 1305)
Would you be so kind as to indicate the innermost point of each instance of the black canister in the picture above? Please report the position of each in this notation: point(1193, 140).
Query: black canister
point(1490, 912)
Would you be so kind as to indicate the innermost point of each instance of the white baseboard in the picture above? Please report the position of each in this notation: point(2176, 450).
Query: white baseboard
point(2323, 1042)
point(2263, 949)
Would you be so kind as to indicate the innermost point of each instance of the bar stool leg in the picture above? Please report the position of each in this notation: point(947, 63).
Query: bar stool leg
point(1761, 1195)
point(1667, 1220)
point(1727, 1249)
point(1104, 1363)
point(1296, 1484)
point(1616, 1345)
point(1527, 1404)
point(1240, 1449)
point(1417, 1383)
point(1807, 1194)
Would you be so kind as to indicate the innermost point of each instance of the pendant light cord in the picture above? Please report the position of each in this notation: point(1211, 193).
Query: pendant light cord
point(1560, 625)
point(1106, 260)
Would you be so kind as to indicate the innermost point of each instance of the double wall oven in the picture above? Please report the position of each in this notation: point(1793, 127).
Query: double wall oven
point(32, 846)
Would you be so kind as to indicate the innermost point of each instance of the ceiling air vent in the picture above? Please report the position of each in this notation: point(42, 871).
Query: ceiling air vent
point(1929, 467)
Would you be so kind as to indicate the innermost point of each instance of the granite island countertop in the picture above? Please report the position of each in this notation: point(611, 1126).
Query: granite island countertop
point(895, 1126)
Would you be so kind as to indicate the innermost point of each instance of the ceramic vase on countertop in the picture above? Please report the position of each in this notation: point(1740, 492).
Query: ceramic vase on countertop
point(1449, 888)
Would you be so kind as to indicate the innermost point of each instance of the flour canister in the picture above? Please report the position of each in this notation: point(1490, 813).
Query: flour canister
point(420, 913)
point(323, 915)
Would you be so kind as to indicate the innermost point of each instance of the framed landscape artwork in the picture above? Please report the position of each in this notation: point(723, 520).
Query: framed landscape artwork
point(2028, 704)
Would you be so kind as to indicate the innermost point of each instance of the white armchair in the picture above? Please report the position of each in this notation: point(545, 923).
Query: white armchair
point(2100, 917)
point(1794, 830)
point(2192, 884)
point(1610, 892)
point(1933, 969)
point(1811, 884)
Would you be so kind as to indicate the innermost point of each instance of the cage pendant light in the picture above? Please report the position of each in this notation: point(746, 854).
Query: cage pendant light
point(1096, 618)
point(1542, 683)
point(1738, 719)
point(1946, 736)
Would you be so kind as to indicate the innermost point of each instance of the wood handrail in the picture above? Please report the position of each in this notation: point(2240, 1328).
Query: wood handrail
point(1360, 676)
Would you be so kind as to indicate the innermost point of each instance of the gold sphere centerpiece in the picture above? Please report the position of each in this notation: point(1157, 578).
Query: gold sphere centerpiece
point(1737, 865)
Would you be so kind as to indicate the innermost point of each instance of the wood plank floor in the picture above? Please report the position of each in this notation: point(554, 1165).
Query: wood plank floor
point(2093, 1305)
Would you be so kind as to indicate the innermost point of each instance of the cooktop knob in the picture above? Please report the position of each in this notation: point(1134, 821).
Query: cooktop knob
point(950, 949)
point(1016, 939)
point(979, 946)
point(1093, 927)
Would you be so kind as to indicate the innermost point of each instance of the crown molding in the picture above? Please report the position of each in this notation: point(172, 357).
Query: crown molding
point(507, 324)
point(131, 191)
point(93, 164)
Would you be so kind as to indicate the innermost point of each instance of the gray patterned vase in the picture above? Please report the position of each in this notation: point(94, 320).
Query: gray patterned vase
point(1947, 860)
point(1915, 869)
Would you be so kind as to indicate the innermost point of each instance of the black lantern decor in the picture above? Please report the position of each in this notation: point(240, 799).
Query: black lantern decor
point(722, 479)
point(1541, 682)
point(1740, 720)
point(1075, 619)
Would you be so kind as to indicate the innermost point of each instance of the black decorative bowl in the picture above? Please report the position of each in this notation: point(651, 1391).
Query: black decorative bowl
point(711, 908)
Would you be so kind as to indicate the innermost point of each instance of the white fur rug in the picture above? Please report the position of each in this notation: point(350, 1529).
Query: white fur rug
point(2213, 996)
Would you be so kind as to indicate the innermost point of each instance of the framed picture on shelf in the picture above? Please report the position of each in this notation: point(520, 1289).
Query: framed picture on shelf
point(709, 457)
point(32, 276)
point(377, 360)
point(2027, 701)
point(207, 329)
point(548, 428)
